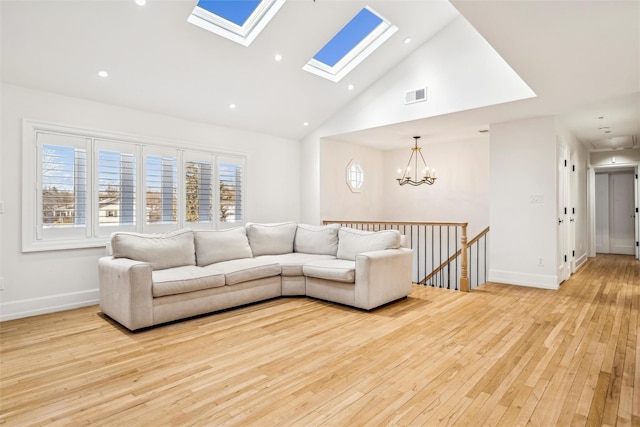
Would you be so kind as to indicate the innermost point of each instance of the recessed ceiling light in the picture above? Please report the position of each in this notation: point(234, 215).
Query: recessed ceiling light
point(278, 57)
point(103, 73)
point(232, 106)
point(141, 2)
point(305, 124)
point(350, 87)
point(407, 40)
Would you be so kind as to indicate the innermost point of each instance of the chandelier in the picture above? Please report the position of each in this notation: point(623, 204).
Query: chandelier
point(428, 176)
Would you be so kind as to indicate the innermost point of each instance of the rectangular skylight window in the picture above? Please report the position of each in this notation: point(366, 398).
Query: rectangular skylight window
point(351, 45)
point(237, 20)
point(353, 33)
point(237, 11)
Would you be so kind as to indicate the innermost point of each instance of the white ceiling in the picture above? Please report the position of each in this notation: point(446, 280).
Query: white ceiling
point(159, 62)
point(581, 58)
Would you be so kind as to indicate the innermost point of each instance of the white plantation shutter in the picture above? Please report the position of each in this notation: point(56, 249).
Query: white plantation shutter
point(160, 189)
point(62, 186)
point(79, 186)
point(117, 182)
point(198, 189)
point(231, 188)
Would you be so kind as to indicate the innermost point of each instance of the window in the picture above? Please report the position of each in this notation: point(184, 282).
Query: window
point(89, 184)
point(230, 181)
point(161, 188)
point(358, 39)
point(355, 176)
point(198, 181)
point(61, 185)
point(116, 165)
point(239, 21)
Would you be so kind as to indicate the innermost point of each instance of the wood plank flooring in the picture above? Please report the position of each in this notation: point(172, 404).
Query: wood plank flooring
point(500, 355)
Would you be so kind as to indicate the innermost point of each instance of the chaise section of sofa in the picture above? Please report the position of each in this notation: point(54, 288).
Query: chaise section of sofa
point(151, 279)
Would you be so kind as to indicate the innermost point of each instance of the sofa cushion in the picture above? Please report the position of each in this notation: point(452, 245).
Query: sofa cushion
point(242, 270)
point(218, 246)
point(291, 264)
point(179, 280)
point(162, 250)
point(316, 239)
point(339, 270)
point(352, 242)
point(271, 239)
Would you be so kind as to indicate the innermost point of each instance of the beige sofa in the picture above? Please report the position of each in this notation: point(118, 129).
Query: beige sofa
point(151, 279)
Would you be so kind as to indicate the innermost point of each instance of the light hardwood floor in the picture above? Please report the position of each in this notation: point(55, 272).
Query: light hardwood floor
point(500, 355)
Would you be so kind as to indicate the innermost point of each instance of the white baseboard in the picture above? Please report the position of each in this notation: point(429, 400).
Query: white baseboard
point(581, 261)
point(542, 281)
point(50, 304)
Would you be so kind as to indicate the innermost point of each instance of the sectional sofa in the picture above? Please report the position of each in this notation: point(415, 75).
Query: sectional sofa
point(150, 279)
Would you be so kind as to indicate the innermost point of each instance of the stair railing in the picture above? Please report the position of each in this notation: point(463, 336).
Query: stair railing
point(440, 250)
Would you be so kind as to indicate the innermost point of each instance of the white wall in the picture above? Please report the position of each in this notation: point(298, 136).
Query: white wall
point(441, 65)
point(337, 201)
point(523, 163)
point(310, 179)
point(48, 281)
point(461, 192)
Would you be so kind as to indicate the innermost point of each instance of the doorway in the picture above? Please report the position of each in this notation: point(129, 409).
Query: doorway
point(615, 211)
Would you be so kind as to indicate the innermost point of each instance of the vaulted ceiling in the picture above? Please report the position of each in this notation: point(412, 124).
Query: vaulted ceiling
point(581, 58)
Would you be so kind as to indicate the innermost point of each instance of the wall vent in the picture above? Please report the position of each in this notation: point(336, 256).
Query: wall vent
point(417, 95)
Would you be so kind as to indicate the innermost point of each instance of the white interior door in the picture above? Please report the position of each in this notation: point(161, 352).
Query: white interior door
point(573, 195)
point(602, 213)
point(622, 213)
point(563, 208)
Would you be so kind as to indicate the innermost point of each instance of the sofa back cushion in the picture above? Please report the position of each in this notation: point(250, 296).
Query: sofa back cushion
point(162, 250)
point(352, 242)
point(317, 239)
point(224, 245)
point(271, 239)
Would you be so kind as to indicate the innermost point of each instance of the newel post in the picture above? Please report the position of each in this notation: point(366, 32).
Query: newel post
point(464, 274)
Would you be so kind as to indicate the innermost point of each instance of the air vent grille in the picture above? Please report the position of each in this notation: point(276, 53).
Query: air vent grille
point(417, 95)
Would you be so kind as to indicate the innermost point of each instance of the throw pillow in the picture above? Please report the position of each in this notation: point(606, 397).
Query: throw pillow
point(314, 239)
point(223, 245)
point(271, 239)
point(352, 242)
point(162, 250)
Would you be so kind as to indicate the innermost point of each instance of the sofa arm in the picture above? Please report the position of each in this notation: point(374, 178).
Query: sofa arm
point(382, 277)
point(125, 291)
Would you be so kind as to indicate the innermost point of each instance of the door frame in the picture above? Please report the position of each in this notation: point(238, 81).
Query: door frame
point(563, 200)
point(635, 166)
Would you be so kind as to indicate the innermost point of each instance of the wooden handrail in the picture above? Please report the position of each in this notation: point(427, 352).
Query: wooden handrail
point(478, 237)
point(441, 223)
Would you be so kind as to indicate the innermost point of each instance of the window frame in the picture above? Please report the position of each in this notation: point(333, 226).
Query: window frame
point(33, 239)
point(148, 150)
point(200, 158)
point(237, 161)
point(360, 51)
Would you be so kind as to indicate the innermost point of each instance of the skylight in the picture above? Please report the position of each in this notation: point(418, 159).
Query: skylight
point(237, 20)
point(351, 45)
